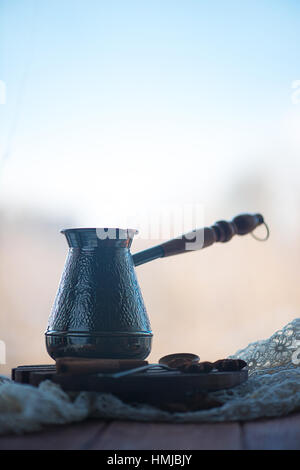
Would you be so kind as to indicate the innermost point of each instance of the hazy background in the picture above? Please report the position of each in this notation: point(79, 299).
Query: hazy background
point(123, 107)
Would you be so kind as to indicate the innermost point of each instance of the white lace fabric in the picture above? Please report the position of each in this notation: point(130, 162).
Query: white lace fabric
point(273, 389)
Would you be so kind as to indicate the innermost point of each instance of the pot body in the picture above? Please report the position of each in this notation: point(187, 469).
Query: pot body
point(99, 310)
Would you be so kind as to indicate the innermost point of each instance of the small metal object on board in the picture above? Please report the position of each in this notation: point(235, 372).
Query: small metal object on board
point(179, 359)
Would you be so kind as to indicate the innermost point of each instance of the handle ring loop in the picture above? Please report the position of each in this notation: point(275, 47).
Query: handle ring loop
point(266, 236)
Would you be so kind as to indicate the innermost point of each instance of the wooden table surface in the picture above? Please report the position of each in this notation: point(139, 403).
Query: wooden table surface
point(282, 433)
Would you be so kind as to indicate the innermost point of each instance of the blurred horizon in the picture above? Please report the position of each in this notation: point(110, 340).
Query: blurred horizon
point(160, 103)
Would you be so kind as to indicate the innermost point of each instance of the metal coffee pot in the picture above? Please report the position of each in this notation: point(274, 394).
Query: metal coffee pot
point(99, 311)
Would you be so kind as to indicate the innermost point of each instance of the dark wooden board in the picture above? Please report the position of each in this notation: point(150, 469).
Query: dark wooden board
point(153, 387)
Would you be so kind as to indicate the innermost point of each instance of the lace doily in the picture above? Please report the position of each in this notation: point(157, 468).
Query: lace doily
point(273, 389)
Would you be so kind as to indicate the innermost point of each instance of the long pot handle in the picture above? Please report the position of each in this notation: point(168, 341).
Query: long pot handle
point(222, 231)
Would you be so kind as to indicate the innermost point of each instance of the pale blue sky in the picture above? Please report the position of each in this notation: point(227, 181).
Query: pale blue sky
point(144, 101)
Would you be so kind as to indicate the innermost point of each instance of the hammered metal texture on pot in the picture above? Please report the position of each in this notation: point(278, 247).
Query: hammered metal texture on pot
point(99, 309)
